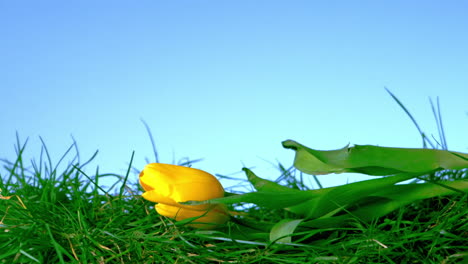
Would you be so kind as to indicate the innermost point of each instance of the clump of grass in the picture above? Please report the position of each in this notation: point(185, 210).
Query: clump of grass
point(57, 213)
point(47, 216)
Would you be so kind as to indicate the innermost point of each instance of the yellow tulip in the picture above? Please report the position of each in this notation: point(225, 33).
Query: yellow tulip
point(168, 185)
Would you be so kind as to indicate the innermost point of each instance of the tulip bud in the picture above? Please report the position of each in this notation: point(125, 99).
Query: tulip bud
point(168, 185)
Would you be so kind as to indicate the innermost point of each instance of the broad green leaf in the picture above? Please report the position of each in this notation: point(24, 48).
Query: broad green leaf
point(282, 231)
point(268, 199)
point(386, 201)
point(310, 203)
point(340, 196)
point(269, 194)
point(400, 195)
point(374, 160)
point(263, 184)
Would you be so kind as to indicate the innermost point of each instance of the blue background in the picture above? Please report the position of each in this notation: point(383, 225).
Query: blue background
point(227, 81)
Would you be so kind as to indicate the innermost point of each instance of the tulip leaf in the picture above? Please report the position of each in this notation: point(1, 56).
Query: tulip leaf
point(336, 197)
point(310, 203)
point(405, 194)
point(261, 184)
point(282, 231)
point(268, 199)
point(387, 200)
point(269, 194)
point(374, 160)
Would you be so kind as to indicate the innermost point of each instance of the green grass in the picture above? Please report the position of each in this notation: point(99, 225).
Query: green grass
point(51, 216)
point(57, 213)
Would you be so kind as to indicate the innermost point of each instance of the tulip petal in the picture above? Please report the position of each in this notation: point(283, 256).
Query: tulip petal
point(156, 197)
point(167, 185)
point(146, 186)
point(180, 183)
point(207, 219)
point(151, 179)
point(196, 191)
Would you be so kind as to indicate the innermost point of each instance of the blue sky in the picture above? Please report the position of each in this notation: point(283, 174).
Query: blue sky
point(227, 81)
